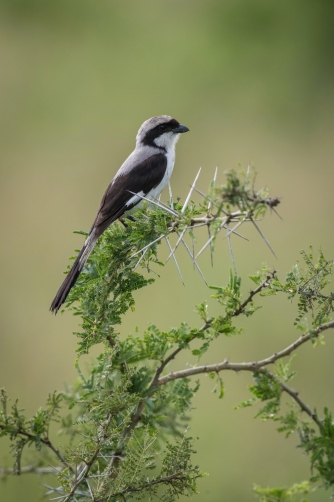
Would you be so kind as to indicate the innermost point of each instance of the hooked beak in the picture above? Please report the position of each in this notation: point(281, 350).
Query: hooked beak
point(180, 129)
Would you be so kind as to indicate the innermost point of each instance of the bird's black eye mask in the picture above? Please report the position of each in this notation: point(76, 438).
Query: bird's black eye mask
point(158, 131)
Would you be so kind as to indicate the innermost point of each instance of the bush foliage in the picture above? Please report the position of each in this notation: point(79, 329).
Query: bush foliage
point(123, 427)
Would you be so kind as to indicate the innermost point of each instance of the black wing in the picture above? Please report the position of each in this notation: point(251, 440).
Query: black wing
point(141, 178)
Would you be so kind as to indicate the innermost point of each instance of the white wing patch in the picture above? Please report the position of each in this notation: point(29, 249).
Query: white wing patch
point(135, 199)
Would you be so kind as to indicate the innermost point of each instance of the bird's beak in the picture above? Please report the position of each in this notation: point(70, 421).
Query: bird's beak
point(180, 128)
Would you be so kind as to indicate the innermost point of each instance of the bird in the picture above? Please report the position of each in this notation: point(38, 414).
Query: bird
point(145, 173)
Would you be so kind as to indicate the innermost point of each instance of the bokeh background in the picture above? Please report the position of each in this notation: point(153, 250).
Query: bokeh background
point(253, 80)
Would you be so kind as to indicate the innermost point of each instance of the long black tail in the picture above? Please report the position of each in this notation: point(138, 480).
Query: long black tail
point(73, 274)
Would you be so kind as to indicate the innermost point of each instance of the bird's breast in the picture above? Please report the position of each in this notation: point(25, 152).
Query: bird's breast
point(155, 192)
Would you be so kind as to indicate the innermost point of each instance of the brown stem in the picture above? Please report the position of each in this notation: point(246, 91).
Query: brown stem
point(249, 366)
point(131, 489)
point(295, 396)
point(264, 284)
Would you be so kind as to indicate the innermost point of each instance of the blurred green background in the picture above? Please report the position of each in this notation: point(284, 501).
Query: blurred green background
point(253, 80)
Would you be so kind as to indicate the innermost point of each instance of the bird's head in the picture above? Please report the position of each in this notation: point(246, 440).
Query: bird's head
point(162, 132)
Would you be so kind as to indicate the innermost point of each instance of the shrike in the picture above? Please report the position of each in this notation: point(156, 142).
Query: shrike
point(145, 172)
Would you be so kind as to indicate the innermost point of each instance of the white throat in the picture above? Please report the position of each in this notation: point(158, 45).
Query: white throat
point(168, 141)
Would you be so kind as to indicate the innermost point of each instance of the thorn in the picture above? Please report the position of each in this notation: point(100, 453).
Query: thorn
point(174, 213)
point(140, 259)
point(208, 242)
point(215, 176)
point(232, 230)
point(170, 195)
point(202, 193)
point(194, 261)
point(214, 184)
point(209, 199)
point(190, 192)
point(177, 244)
point(90, 490)
point(263, 237)
point(175, 261)
point(162, 203)
point(211, 253)
point(148, 245)
point(277, 213)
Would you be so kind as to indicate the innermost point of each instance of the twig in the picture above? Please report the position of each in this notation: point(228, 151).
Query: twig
point(46, 441)
point(161, 367)
point(295, 396)
point(248, 366)
point(254, 292)
point(32, 469)
point(132, 489)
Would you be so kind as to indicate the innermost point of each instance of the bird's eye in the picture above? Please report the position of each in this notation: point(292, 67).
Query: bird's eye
point(162, 127)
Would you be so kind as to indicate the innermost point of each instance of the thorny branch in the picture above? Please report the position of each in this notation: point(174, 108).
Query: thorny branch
point(246, 213)
point(255, 366)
